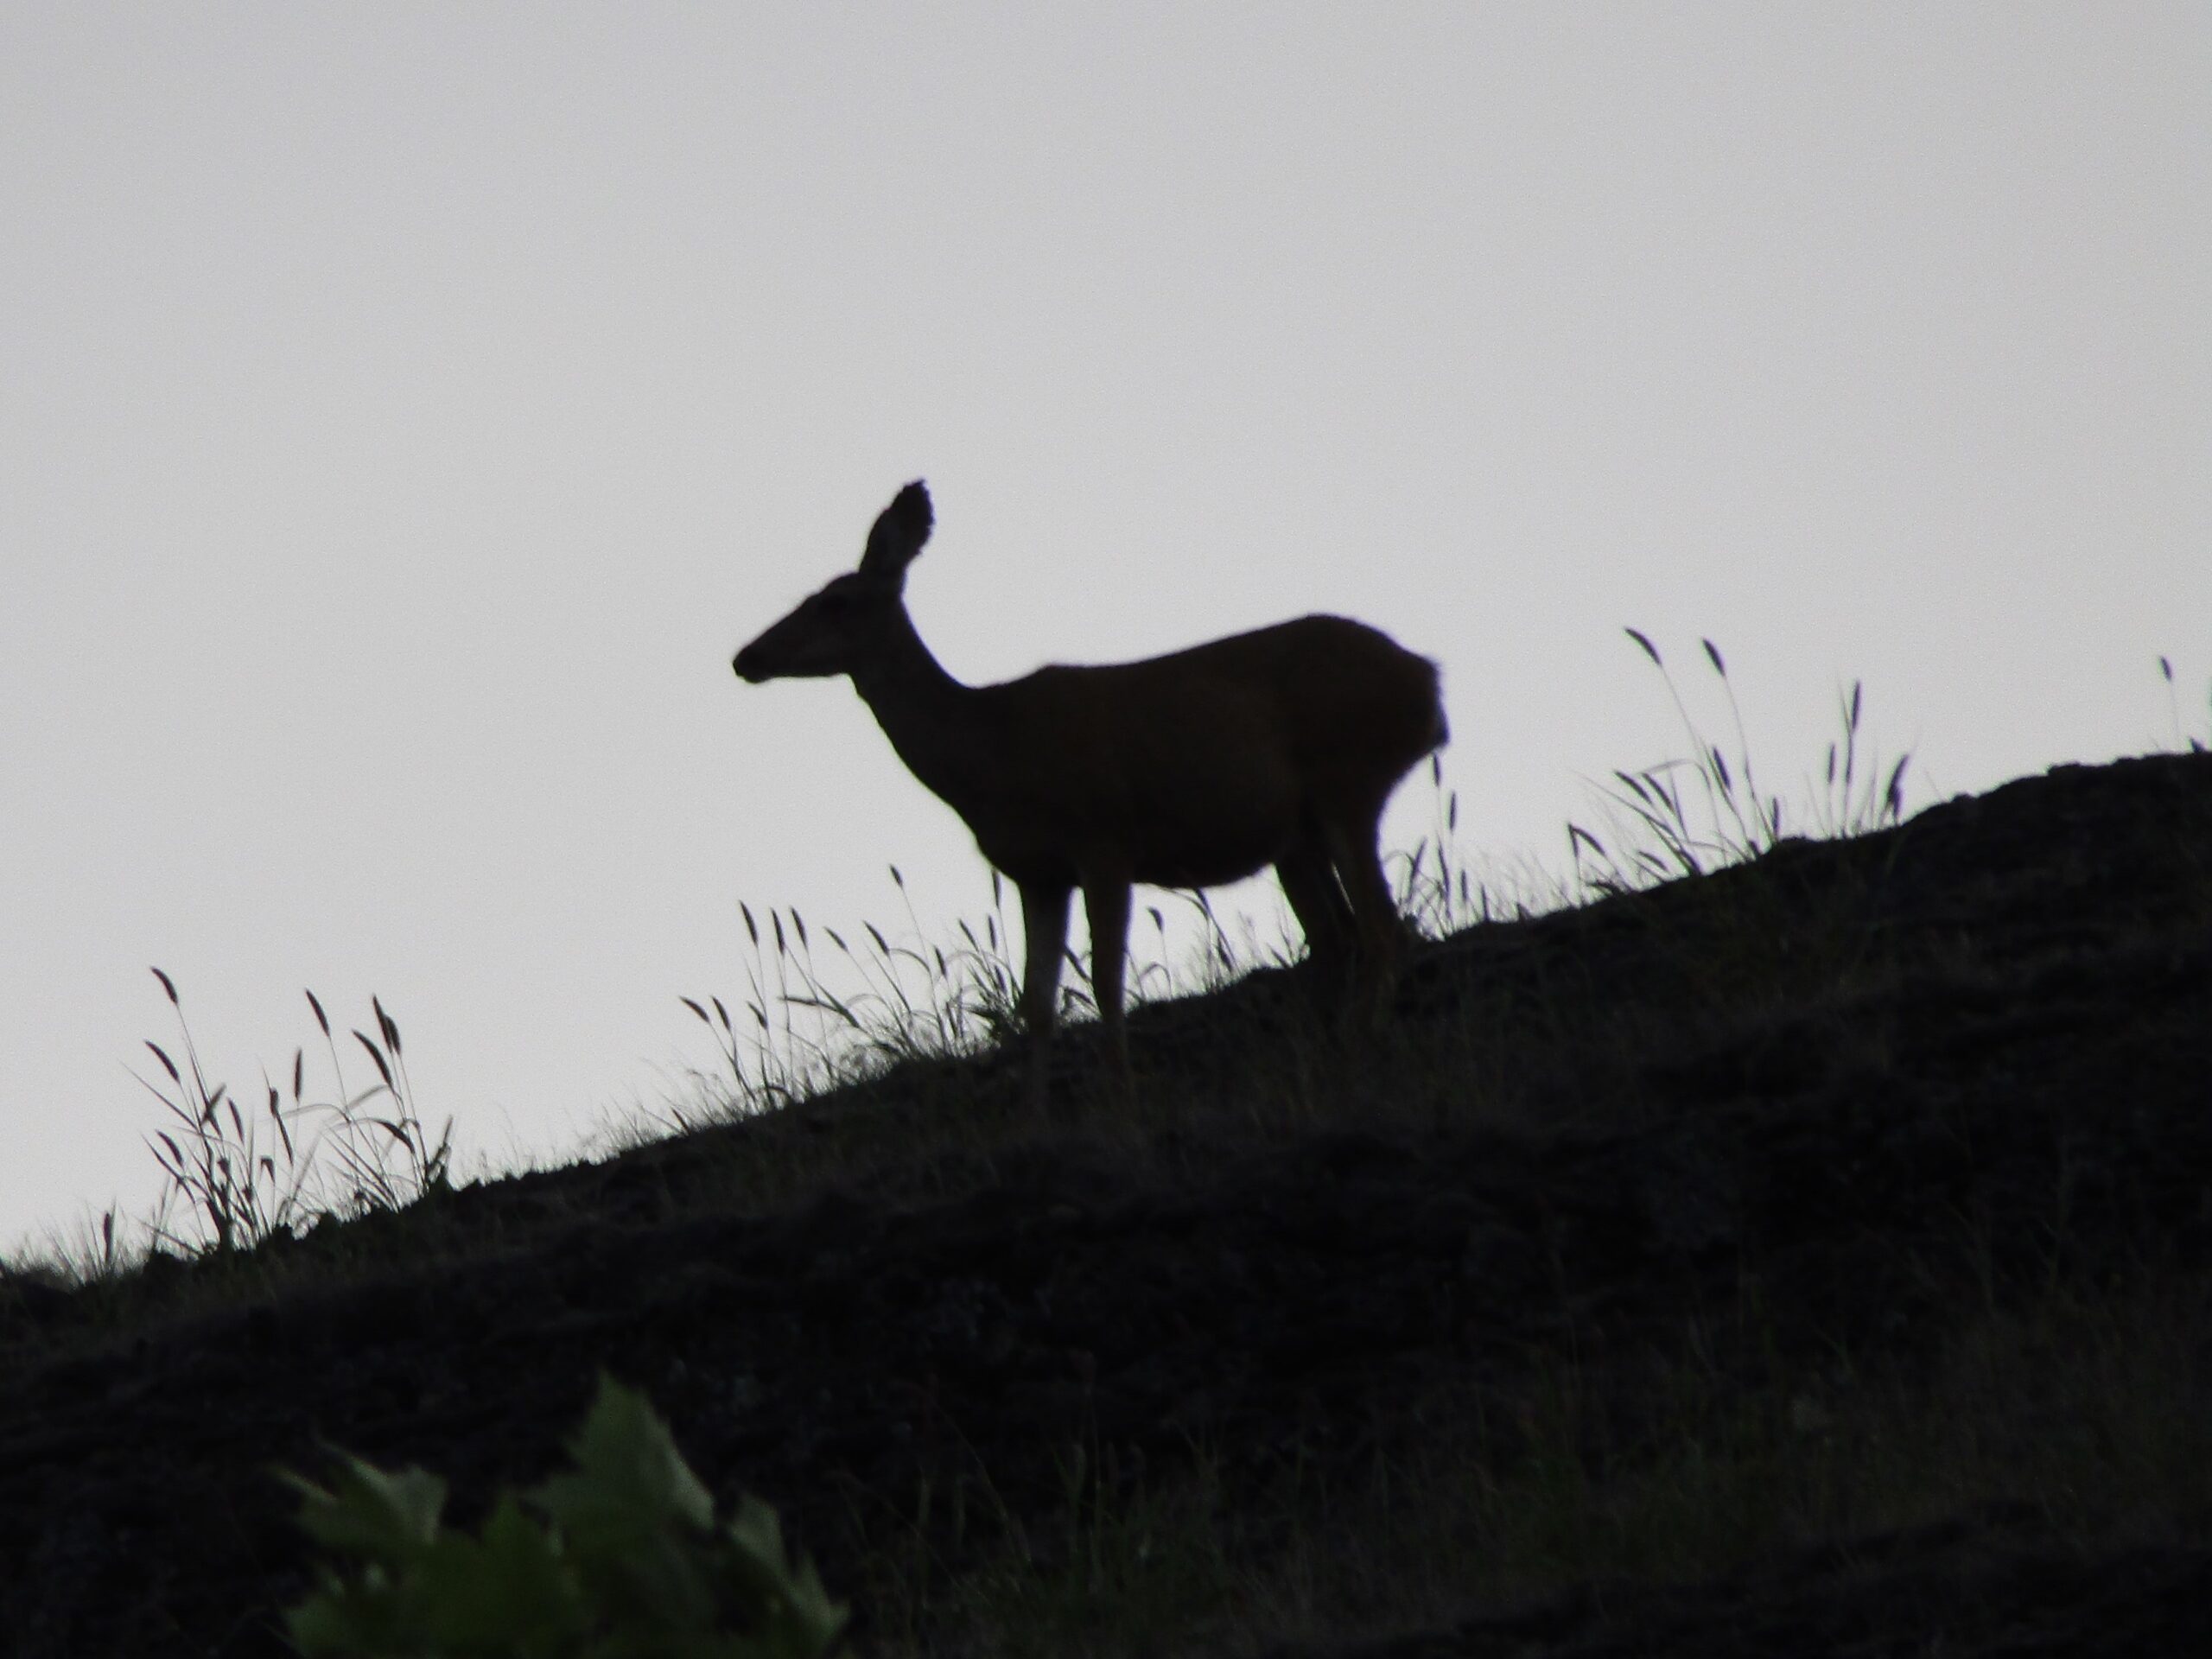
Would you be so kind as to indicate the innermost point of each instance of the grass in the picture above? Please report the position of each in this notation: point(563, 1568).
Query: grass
point(2195, 743)
point(840, 1014)
point(814, 1019)
point(2078, 1417)
point(871, 1060)
point(810, 1023)
point(242, 1176)
point(1701, 812)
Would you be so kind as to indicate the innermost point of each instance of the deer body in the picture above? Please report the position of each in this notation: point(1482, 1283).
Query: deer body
point(1277, 747)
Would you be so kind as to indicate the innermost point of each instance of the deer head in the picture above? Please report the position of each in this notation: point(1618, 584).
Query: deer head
point(850, 621)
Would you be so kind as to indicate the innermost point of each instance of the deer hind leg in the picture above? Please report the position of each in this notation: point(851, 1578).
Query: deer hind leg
point(1045, 930)
point(1106, 904)
point(1380, 932)
point(1309, 883)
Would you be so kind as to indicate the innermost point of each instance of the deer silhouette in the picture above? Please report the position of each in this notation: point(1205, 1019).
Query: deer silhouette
point(1278, 746)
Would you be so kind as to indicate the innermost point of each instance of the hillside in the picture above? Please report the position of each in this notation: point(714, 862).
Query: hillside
point(1811, 1256)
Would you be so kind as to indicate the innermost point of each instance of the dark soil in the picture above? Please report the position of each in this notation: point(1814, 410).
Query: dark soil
point(1938, 1590)
point(1854, 1083)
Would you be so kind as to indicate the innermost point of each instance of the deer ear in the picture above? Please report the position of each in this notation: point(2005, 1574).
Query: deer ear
point(901, 530)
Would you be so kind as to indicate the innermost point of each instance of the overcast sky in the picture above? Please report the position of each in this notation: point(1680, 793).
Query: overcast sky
point(405, 411)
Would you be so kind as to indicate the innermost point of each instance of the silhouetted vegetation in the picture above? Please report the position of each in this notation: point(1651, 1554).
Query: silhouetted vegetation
point(1787, 1244)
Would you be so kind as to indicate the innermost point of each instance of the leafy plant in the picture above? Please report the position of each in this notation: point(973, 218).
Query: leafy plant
point(620, 1558)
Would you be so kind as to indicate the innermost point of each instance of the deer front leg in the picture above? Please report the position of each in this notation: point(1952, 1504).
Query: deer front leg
point(1044, 931)
point(1106, 903)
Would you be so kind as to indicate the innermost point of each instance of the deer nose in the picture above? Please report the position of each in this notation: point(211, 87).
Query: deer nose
point(747, 665)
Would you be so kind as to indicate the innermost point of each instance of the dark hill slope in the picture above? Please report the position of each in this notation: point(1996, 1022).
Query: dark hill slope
point(1854, 1087)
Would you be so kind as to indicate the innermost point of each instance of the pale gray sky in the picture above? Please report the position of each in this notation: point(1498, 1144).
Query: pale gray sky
point(406, 411)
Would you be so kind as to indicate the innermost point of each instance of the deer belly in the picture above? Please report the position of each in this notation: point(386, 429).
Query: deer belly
point(1166, 830)
point(1187, 849)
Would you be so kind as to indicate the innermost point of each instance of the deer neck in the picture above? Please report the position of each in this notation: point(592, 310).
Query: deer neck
point(931, 718)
